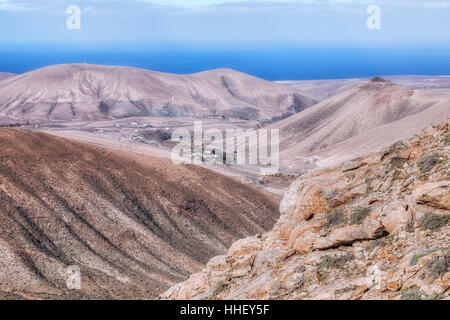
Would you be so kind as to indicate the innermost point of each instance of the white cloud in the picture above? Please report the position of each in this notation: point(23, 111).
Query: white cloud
point(319, 5)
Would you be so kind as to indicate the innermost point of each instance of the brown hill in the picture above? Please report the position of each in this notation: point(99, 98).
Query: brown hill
point(355, 122)
point(133, 224)
point(92, 92)
point(377, 228)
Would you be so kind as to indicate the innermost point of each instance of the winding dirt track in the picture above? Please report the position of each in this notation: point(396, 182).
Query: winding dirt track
point(134, 224)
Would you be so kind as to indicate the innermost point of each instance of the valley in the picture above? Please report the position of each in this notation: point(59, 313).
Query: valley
point(87, 180)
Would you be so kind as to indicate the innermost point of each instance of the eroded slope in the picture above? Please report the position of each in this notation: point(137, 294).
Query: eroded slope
point(133, 224)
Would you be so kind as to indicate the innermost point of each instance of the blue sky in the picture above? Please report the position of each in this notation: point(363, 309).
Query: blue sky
point(232, 24)
point(271, 39)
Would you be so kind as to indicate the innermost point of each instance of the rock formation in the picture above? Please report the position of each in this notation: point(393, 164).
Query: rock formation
point(375, 228)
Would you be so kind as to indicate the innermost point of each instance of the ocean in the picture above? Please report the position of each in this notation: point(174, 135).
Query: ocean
point(266, 63)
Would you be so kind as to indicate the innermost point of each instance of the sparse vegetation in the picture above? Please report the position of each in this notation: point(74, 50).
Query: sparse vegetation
point(412, 295)
point(276, 288)
point(359, 215)
point(447, 256)
point(335, 218)
point(433, 221)
point(375, 244)
point(341, 291)
point(410, 225)
point(427, 162)
point(396, 163)
point(438, 266)
point(447, 140)
point(415, 258)
point(300, 269)
point(331, 194)
point(299, 282)
point(328, 262)
point(221, 286)
point(396, 147)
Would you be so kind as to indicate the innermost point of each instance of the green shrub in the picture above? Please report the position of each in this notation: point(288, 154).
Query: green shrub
point(438, 267)
point(415, 258)
point(411, 295)
point(433, 221)
point(335, 218)
point(396, 162)
point(359, 215)
point(328, 262)
point(427, 162)
point(394, 148)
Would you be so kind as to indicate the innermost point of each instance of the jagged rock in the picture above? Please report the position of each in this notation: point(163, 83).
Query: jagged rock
point(244, 247)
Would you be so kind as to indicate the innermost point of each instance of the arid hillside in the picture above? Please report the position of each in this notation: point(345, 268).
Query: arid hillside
point(373, 228)
point(358, 121)
point(5, 75)
point(133, 224)
point(92, 92)
point(324, 89)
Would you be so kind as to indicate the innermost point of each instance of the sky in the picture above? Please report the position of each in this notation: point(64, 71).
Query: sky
point(216, 23)
point(272, 39)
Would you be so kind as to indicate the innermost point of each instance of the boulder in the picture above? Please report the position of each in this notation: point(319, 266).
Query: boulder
point(349, 166)
point(433, 194)
point(396, 220)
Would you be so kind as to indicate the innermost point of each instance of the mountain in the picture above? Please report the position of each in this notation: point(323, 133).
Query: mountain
point(133, 224)
point(360, 120)
point(92, 92)
point(377, 228)
point(324, 89)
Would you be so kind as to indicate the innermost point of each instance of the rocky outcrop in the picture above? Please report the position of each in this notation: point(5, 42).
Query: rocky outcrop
point(375, 228)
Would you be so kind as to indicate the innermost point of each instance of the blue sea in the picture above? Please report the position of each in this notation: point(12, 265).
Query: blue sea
point(266, 63)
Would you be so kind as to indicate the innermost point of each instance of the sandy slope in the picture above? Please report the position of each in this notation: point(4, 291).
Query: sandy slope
point(357, 121)
point(92, 92)
point(134, 224)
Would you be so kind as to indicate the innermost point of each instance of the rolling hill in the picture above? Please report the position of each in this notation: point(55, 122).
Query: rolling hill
point(324, 89)
point(92, 92)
